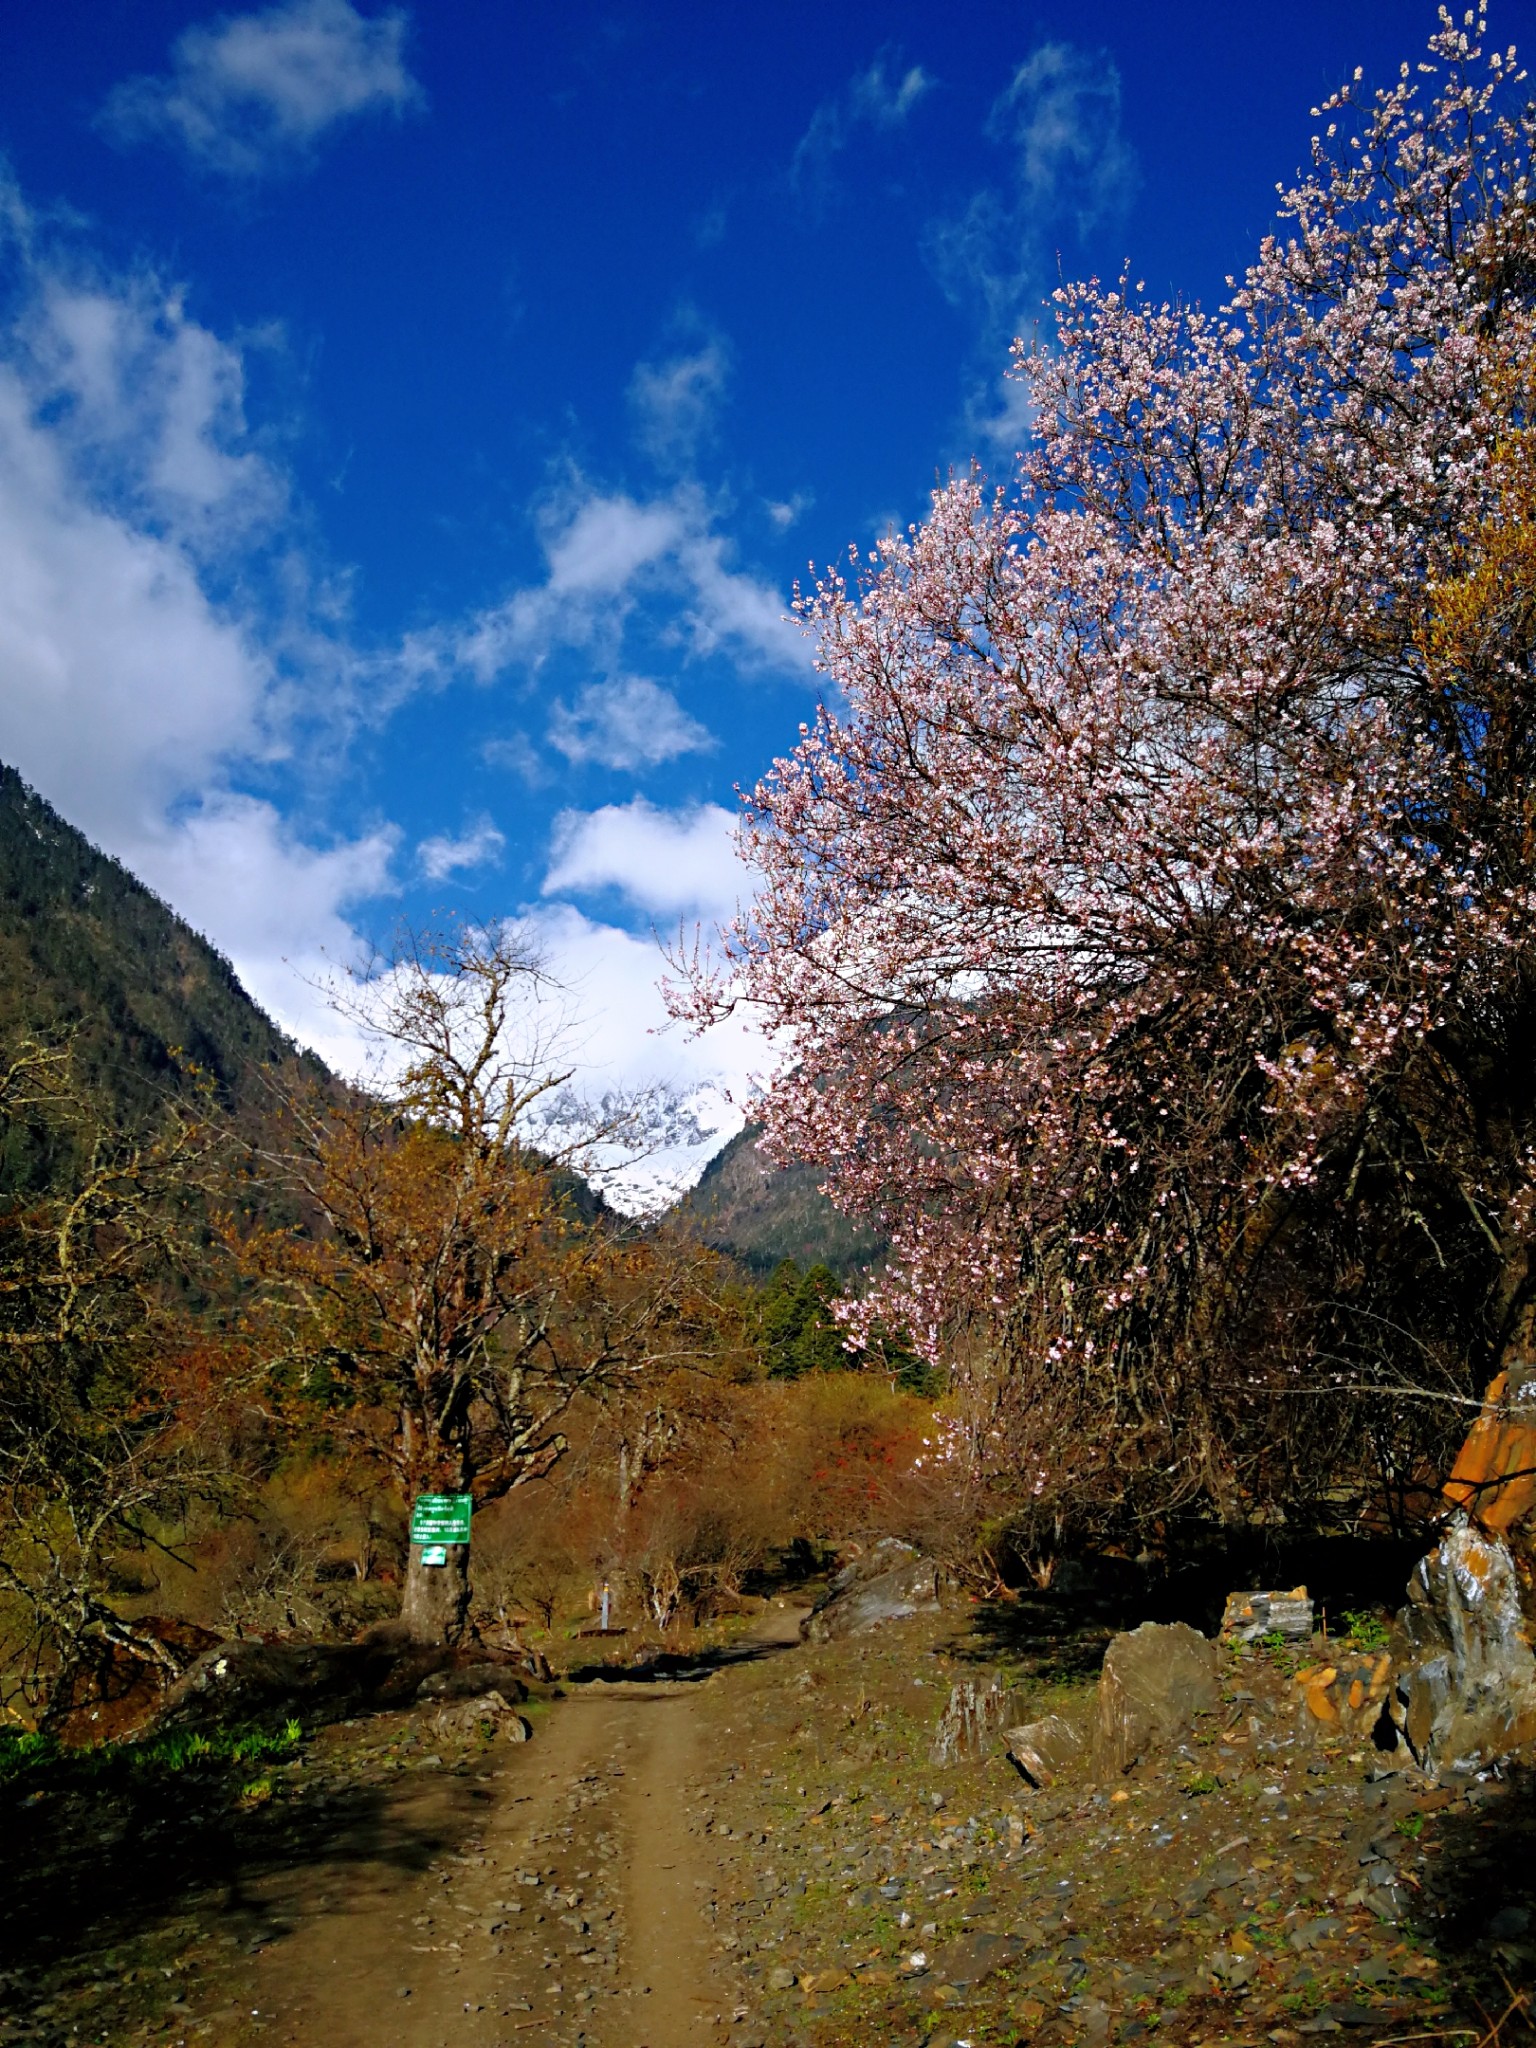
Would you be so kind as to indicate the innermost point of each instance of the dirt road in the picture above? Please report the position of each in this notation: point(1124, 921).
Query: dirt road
point(561, 1893)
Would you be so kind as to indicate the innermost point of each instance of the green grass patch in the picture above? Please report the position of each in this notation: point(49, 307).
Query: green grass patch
point(1367, 1631)
point(32, 1756)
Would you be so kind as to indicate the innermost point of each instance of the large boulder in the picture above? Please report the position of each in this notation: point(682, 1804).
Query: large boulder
point(1466, 1685)
point(1155, 1681)
point(890, 1582)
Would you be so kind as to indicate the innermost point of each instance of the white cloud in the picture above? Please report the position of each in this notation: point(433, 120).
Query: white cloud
point(146, 404)
point(999, 417)
point(735, 612)
point(880, 97)
point(124, 686)
point(442, 855)
point(608, 556)
point(1061, 116)
point(272, 902)
point(783, 512)
point(133, 699)
point(250, 95)
point(628, 722)
point(627, 1041)
point(675, 402)
point(666, 863)
point(597, 549)
point(883, 100)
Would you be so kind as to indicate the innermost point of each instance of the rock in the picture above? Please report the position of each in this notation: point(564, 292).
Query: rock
point(1308, 1933)
point(488, 1711)
point(1347, 1698)
point(1251, 1615)
point(1155, 1681)
point(890, 1582)
point(973, 1957)
point(819, 1981)
point(1509, 1923)
point(1043, 1749)
point(469, 1681)
point(1466, 1687)
point(1235, 1972)
point(976, 1712)
point(781, 1980)
point(1494, 1477)
point(1387, 1901)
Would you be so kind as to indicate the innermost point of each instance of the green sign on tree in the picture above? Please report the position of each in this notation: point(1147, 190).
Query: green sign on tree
point(440, 1518)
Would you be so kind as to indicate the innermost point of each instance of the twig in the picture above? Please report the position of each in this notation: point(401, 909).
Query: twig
point(1517, 2000)
point(1440, 2034)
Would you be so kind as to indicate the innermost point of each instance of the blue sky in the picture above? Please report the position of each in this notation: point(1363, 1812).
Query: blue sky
point(413, 421)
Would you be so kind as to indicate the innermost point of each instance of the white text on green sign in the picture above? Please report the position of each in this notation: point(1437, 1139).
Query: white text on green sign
point(440, 1518)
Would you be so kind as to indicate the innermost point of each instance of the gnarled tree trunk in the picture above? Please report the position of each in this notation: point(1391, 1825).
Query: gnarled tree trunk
point(436, 1604)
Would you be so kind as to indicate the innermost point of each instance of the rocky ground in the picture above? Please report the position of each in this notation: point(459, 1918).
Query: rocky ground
point(757, 1849)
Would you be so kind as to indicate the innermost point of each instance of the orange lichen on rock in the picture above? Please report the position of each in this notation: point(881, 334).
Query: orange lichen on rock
point(1494, 1477)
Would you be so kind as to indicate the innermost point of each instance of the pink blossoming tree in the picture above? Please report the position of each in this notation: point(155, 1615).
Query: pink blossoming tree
point(1149, 916)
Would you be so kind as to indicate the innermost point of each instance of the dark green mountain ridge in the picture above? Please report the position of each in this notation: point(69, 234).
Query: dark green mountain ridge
point(87, 950)
point(761, 1213)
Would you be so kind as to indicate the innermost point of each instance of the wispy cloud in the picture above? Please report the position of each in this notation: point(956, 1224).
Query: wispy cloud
point(666, 863)
point(783, 512)
point(627, 722)
point(675, 401)
point(881, 98)
point(515, 752)
point(443, 855)
point(251, 95)
point(608, 557)
point(1070, 169)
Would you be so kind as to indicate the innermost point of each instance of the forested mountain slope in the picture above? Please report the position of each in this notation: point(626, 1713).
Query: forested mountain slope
point(86, 948)
point(761, 1213)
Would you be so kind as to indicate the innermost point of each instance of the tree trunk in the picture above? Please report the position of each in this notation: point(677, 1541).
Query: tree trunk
point(436, 1603)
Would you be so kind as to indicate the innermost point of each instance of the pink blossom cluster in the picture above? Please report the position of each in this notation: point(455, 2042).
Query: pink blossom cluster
point(1140, 856)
